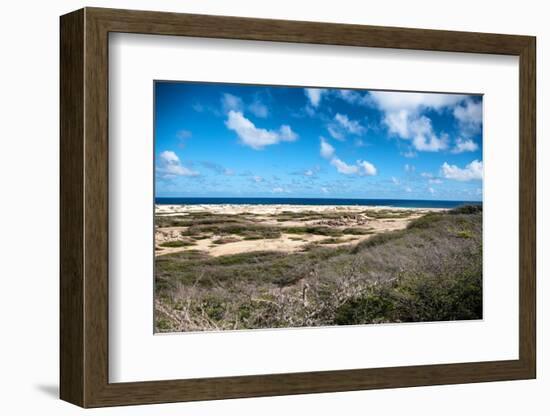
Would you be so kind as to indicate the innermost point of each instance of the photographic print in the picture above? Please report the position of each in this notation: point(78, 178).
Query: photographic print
point(290, 207)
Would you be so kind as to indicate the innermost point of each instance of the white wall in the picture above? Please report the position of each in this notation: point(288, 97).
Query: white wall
point(29, 209)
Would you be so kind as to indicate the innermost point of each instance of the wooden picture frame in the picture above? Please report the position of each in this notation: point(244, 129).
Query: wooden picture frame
point(84, 207)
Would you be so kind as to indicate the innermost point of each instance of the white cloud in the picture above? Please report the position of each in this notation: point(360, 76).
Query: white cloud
point(424, 138)
point(366, 168)
point(464, 145)
point(309, 172)
point(258, 109)
point(278, 190)
point(169, 166)
point(416, 128)
point(352, 126)
point(327, 151)
point(431, 190)
point(335, 132)
point(408, 189)
point(395, 180)
point(361, 167)
point(472, 171)
point(435, 181)
point(314, 95)
point(355, 97)
point(324, 190)
point(343, 167)
point(286, 134)
point(398, 123)
point(169, 157)
point(469, 116)
point(254, 137)
point(231, 102)
point(343, 125)
point(257, 179)
point(413, 101)
point(402, 116)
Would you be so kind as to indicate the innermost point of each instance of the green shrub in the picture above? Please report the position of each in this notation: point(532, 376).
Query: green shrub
point(177, 243)
point(370, 308)
point(467, 209)
point(425, 221)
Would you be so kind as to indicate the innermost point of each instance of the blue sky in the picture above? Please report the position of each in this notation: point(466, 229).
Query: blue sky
point(231, 140)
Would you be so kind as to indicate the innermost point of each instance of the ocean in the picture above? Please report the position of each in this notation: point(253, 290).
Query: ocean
point(398, 203)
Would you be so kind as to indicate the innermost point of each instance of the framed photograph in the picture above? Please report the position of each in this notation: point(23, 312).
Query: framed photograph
point(260, 207)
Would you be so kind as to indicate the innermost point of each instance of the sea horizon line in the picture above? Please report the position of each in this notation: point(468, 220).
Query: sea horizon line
point(395, 202)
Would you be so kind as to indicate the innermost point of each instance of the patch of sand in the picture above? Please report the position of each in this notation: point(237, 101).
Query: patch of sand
point(266, 215)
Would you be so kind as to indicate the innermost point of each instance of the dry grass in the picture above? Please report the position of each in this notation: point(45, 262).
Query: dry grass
point(431, 271)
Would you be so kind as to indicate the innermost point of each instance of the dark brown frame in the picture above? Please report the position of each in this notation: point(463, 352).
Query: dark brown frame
point(84, 208)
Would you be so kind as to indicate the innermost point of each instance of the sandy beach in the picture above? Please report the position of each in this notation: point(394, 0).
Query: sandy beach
point(296, 226)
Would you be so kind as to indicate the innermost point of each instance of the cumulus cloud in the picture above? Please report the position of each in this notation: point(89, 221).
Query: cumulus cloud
point(343, 125)
point(472, 171)
point(314, 95)
point(327, 151)
point(469, 116)
point(335, 132)
point(366, 168)
point(170, 166)
point(464, 145)
point(412, 101)
point(352, 126)
point(354, 97)
point(254, 137)
point(417, 129)
point(343, 167)
point(423, 137)
point(403, 118)
point(361, 167)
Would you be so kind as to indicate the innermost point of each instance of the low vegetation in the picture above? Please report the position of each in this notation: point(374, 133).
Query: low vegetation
point(430, 271)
